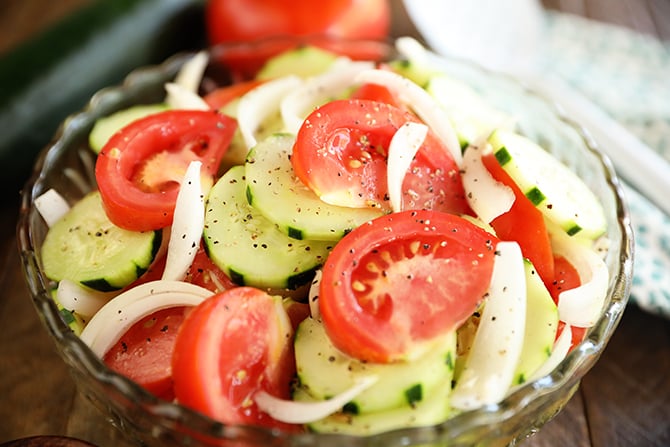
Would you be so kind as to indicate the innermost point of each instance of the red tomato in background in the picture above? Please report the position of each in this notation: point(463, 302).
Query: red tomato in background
point(245, 20)
point(402, 280)
point(139, 169)
point(229, 347)
point(144, 352)
point(325, 23)
point(341, 153)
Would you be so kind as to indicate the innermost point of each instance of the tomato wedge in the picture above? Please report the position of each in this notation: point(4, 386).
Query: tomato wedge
point(139, 169)
point(222, 96)
point(144, 352)
point(232, 345)
point(524, 224)
point(341, 152)
point(204, 273)
point(402, 280)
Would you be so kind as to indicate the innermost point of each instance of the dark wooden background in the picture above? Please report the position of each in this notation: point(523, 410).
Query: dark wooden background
point(623, 401)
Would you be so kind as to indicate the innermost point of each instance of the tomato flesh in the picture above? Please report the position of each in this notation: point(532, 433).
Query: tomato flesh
point(402, 280)
point(229, 347)
point(139, 169)
point(204, 273)
point(144, 352)
point(524, 224)
point(341, 153)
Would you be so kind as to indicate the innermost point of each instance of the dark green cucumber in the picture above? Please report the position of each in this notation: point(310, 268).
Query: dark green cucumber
point(53, 75)
point(250, 248)
point(85, 247)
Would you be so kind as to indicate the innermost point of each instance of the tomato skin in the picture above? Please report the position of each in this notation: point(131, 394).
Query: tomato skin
point(566, 277)
point(144, 352)
point(232, 345)
point(221, 96)
point(341, 152)
point(247, 20)
point(204, 273)
point(402, 280)
point(524, 224)
point(139, 195)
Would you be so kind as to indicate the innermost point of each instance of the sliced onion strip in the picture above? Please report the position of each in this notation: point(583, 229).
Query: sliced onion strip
point(260, 103)
point(294, 412)
point(187, 225)
point(117, 316)
point(494, 355)
point(318, 89)
point(487, 197)
point(581, 306)
point(403, 147)
point(421, 102)
point(558, 353)
point(80, 300)
point(313, 296)
point(179, 97)
point(190, 74)
point(51, 206)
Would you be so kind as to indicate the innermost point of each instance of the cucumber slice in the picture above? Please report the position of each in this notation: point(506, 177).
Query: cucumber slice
point(430, 411)
point(303, 61)
point(552, 187)
point(323, 372)
point(107, 126)
point(87, 248)
point(541, 326)
point(273, 189)
point(248, 247)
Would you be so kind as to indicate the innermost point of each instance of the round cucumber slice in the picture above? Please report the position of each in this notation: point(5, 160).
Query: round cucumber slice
point(248, 247)
point(553, 188)
point(87, 248)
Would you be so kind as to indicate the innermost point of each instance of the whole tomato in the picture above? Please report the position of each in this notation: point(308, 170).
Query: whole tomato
point(244, 20)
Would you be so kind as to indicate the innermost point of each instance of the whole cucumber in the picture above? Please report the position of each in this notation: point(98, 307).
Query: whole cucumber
point(54, 74)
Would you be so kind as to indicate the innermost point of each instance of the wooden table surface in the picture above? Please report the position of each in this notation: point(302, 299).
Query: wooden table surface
point(623, 401)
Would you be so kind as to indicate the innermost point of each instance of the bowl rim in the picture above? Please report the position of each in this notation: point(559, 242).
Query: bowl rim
point(568, 373)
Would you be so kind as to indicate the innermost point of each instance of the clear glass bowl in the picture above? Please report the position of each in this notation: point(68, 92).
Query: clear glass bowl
point(67, 165)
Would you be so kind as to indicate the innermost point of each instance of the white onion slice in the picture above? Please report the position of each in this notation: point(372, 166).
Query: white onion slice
point(179, 97)
point(318, 89)
point(294, 412)
point(494, 355)
point(561, 349)
point(581, 306)
point(117, 316)
point(83, 301)
point(411, 49)
point(421, 102)
point(313, 296)
point(51, 206)
point(403, 147)
point(187, 225)
point(261, 102)
point(190, 74)
point(487, 197)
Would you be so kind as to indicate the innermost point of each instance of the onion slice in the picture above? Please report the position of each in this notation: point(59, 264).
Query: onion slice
point(558, 353)
point(81, 300)
point(179, 97)
point(581, 306)
point(403, 147)
point(190, 74)
point(187, 225)
point(260, 103)
point(294, 412)
point(487, 197)
point(313, 296)
point(318, 89)
point(51, 206)
point(421, 102)
point(117, 316)
point(496, 349)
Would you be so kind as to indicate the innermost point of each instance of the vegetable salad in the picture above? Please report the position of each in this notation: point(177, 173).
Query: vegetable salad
point(333, 245)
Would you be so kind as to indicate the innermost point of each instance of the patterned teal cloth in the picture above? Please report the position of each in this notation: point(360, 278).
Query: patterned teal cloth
point(628, 75)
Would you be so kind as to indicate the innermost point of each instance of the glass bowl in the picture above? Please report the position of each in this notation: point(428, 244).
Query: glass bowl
point(67, 165)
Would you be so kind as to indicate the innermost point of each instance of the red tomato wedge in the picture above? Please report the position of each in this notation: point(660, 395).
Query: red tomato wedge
point(566, 277)
point(341, 154)
point(139, 169)
point(222, 96)
point(144, 353)
point(401, 280)
point(524, 224)
point(204, 273)
point(229, 347)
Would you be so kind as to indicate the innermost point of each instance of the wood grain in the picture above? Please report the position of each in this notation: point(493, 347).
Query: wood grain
point(623, 401)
